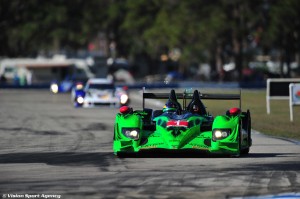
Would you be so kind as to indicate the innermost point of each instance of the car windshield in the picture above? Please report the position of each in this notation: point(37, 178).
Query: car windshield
point(101, 86)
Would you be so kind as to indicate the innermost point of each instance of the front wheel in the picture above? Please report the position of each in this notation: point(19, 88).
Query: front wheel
point(249, 129)
point(245, 151)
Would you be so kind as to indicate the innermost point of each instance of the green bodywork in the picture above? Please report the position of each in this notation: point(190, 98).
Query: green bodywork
point(151, 130)
point(198, 135)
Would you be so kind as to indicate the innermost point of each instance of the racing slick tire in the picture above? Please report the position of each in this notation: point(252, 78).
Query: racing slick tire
point(249, 139)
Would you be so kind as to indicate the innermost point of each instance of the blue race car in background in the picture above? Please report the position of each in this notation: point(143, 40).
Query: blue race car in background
point(98, 92)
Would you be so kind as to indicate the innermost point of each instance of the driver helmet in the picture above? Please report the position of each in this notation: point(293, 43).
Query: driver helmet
point(170, 107)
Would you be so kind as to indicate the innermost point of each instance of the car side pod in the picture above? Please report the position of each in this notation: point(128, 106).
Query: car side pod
point(225, 135)
point(127, 131)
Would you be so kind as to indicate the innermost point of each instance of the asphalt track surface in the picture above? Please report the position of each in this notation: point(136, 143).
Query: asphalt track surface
point(48, 147)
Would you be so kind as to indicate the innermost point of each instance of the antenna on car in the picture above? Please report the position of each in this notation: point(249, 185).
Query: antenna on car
point(144, 89)
point(240, 98)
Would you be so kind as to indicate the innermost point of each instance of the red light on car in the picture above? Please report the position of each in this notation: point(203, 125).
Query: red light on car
point(124, 109)
point(234, 111)
point(79, 86)
point(125, 88)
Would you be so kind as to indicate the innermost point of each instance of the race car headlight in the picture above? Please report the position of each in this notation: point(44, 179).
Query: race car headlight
point(219, 134)
point(124, 99)
point(131, 133)
point(79, 100)
point(54, 88)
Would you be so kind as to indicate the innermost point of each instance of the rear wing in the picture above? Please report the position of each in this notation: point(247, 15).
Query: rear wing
point(184, 96)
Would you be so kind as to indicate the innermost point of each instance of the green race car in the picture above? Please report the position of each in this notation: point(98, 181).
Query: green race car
point(183, 128)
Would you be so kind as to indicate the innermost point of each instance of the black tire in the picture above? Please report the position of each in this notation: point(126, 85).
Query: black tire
point(245, 151)
point(239, 142)
point(247, 126)
point(249, 129)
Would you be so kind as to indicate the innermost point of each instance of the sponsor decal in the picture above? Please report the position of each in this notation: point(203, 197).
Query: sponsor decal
point(297, 94)
point(198, 146)
point(177, 123)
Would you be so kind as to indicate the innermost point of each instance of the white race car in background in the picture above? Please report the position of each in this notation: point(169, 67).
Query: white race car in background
point(97, 92)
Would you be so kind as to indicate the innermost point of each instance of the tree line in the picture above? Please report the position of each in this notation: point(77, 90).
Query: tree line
point(210, 31)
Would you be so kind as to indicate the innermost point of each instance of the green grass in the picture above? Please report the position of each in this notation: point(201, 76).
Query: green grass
point(277, 123)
